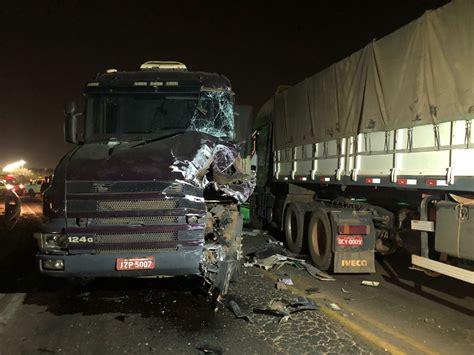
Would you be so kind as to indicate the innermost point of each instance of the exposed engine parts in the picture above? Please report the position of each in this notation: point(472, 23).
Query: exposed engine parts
point(222, 248)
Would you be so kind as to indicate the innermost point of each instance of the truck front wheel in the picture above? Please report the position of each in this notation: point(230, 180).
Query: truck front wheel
point(320, 240)
point(293, 226)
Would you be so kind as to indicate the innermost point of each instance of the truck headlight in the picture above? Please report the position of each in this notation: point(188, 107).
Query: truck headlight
point(51, 241)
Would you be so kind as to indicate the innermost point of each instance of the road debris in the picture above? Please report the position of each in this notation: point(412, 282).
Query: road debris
point(206, 349)
point(370, 283)
point(312, 290)
point(344, 291)
point(238, 312)
point(287, 281)
point(273, 241)
point(335, 307)
point(84, 295)
point(284, 307)
point(253, 232)
point(275, 261)
point(318, 274)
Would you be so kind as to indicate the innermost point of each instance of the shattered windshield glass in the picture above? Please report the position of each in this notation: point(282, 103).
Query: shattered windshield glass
point(137, 116)
point(214, 114)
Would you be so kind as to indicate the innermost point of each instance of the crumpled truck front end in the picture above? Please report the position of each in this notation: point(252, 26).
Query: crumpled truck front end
point(189, 225)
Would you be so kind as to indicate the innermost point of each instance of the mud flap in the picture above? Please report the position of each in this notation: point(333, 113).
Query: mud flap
point(354, 262)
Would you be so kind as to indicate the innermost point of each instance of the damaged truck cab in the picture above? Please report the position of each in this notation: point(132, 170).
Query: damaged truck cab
point(154, 188)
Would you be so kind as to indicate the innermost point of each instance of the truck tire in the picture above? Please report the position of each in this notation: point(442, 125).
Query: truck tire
point(293, 225)
point(320, 240)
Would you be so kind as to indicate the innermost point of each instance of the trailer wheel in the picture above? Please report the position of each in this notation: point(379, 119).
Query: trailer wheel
point(320, 240)
point(293, 226)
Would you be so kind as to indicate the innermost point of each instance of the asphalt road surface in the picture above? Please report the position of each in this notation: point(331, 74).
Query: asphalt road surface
point(407, 313)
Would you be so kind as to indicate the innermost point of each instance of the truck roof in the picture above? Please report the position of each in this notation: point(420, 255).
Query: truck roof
point(150, 80)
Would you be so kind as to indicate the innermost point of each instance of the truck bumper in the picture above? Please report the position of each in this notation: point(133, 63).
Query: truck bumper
point(176, 263)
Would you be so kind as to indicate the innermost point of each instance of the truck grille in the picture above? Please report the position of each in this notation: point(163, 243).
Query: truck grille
point(128, 205)
point(127, 216)
point(136, 238)
point(146, 220)
point(138, 248)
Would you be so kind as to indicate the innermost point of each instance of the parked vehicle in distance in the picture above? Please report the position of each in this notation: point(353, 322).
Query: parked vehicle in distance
point(34, 187)
point(3, 188)
point(15, 186)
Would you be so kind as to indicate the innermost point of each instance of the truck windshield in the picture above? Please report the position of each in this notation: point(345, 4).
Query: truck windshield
point(143, 116)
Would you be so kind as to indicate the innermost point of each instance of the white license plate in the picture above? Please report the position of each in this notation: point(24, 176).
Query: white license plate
point(146, 263)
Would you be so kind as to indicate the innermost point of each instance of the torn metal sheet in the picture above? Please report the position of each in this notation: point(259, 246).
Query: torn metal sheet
point(217, 165)
point(276, 260)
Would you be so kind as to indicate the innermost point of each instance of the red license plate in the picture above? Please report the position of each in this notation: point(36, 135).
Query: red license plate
point(146, 263)
point(350, 240)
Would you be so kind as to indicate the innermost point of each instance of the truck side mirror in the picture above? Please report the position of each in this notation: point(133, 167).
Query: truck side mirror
point(70, 124)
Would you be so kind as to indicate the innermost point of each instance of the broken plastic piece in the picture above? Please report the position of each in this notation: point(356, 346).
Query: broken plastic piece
point(335, 307)
point(370, 283)
point(287, 281)
point(284, 307)
point(238, 312)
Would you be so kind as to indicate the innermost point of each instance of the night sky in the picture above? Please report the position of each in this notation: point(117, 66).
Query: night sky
point(48, 49)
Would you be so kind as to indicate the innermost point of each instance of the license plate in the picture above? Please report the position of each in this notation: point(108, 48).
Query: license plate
point(146, 263)
point(350, 241)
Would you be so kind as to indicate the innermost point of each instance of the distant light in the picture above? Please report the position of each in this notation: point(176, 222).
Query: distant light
point(13, 166)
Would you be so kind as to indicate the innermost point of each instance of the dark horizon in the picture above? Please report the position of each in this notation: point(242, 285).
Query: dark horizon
point(51, 49)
